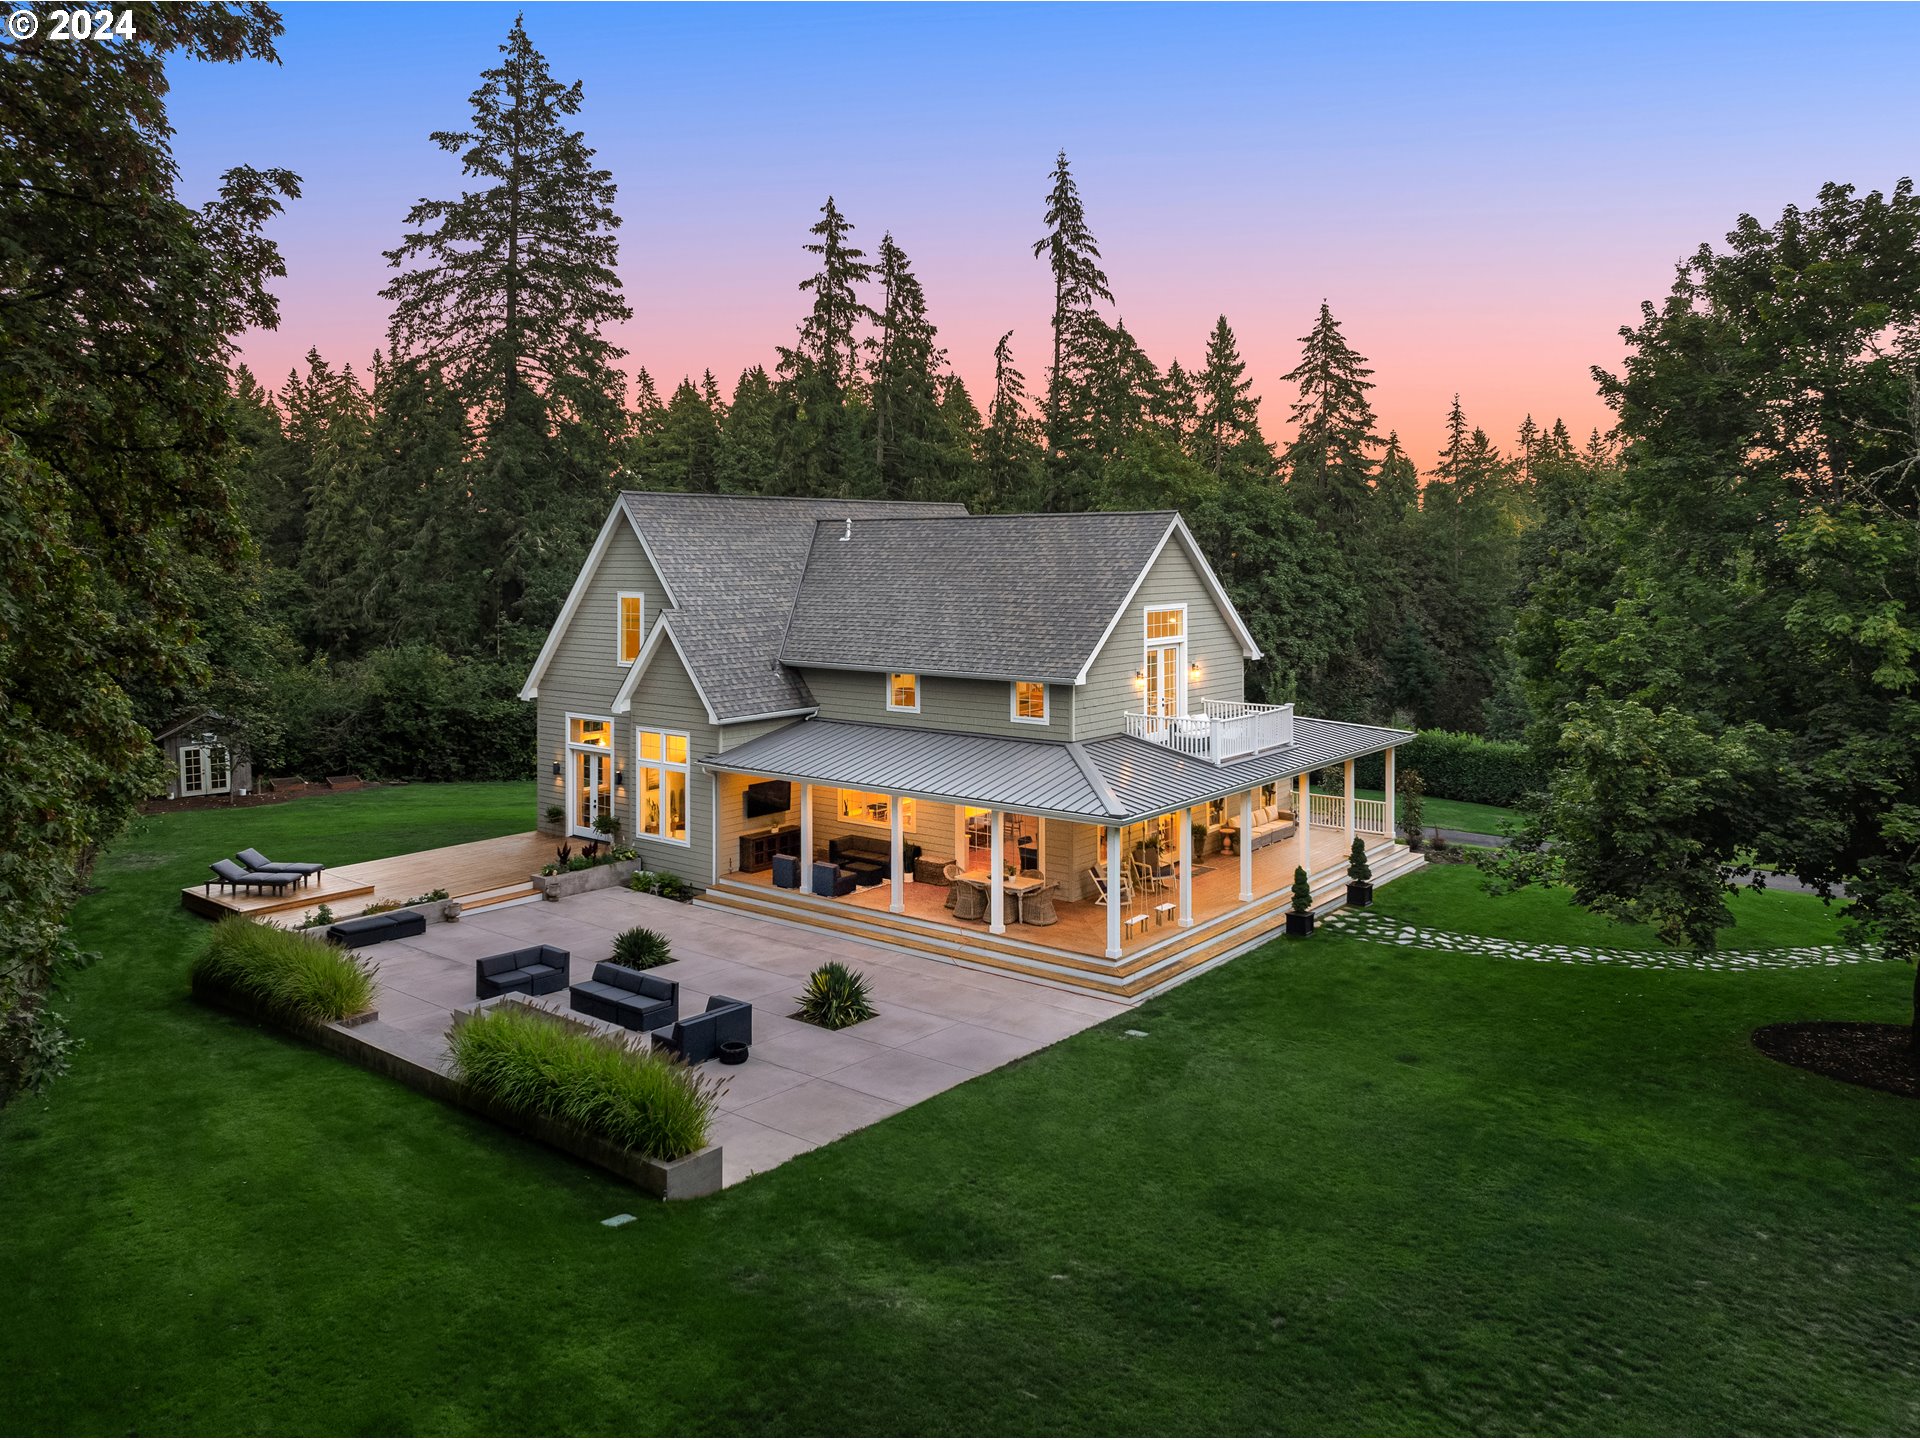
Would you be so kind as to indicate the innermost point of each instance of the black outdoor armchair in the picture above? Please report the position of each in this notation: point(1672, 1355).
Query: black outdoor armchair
point(699, 1037)
point(535, 970)
point(231, 876)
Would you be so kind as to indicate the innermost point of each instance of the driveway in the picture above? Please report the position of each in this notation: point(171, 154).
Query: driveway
point(938, 1025)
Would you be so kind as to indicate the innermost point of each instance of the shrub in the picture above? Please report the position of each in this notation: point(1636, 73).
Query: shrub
point(1302, 892)
point(835, 997)
point(1413, 820)
point(1358, 870)
point(1462, 767)
point(662, 883)
point(322, 916)
point(555, 814)
point(641, 948)
point(618, 1091)
point(381, 907)
point(291, 976)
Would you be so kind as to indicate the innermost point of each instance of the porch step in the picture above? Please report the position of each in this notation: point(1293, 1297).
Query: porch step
point(503, 895)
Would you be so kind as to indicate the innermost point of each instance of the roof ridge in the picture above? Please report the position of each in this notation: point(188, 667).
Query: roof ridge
point(783, 499)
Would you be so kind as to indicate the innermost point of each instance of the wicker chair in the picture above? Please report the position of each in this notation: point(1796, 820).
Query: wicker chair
point(952, 873)
point(1036, 907)
point(969, 900)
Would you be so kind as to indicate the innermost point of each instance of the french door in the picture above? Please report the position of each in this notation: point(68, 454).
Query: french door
point(592, 790)
point(1165, 672)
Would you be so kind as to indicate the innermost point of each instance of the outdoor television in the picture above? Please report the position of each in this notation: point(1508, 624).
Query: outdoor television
point(769, 797)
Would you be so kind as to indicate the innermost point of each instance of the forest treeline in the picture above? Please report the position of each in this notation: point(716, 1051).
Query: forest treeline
point(443, 494)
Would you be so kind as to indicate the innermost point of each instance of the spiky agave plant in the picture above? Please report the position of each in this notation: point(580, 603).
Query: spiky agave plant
point(835, 997)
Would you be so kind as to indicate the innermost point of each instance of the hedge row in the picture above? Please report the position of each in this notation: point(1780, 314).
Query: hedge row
point(1461, 767)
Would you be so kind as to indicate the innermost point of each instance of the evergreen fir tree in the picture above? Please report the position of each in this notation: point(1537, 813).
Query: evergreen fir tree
point(911, 439)
point(512, 284)
point(749, 462)
point(1228, 419)
point(1396, 480)
point(1010, 462)
point(1327, 464)
point(1178, 412)
point(822, 444)
point(1078, 283)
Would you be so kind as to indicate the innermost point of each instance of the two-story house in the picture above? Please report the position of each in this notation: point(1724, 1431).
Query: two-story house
point(1021, 741)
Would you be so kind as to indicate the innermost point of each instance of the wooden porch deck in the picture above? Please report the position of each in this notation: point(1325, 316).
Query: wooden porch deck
point(496, 869)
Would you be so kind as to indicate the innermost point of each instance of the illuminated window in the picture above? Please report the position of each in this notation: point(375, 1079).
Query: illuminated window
point(868, 807)
point(582, 731)
point(661, 800)
point(632, 610)
point(903, 692)
point(1167, 624)
point(1030, 701)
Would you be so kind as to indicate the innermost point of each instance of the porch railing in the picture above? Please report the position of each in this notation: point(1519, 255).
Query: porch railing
point(1220, 731)
point(1330, 811)
point(1370, 816)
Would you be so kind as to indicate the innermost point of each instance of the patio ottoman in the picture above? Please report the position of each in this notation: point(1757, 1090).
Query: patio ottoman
point(377, 929)
point(865, 872)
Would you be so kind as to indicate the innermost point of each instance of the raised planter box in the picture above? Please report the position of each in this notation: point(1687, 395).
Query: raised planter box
point(578, 882)
point(1299, 926)
point(687, 1178)
point(1360, 893)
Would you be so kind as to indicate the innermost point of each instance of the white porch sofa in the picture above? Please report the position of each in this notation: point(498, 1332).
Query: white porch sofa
point(1270, 824)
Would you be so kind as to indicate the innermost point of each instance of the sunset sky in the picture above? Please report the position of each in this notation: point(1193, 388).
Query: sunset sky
point(1483, 194)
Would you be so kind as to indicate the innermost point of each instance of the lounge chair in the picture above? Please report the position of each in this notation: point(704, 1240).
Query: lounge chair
point(699, 1037)
point(230, 875)
point(1098, 876)
point(535, 970)
point(254, 860)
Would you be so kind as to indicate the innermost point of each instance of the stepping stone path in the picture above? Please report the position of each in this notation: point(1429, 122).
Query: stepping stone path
point(1384, 930)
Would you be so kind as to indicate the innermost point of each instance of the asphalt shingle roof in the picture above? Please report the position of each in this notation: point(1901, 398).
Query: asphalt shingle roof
point(977, 595)
point(732, 564)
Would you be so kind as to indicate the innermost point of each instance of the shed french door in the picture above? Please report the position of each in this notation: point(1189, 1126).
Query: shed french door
point(204, 770)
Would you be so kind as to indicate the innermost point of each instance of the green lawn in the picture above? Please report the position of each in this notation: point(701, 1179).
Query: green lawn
point(1337, 1188)
point(1457, 814)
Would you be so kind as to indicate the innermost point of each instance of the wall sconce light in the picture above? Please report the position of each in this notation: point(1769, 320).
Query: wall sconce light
point(1139, 677)
point(1193, 671)
point(556, 769)
point(620, 779)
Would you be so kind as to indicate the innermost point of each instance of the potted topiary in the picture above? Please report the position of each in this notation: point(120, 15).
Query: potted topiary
point(1359, 875)
point(1300, 916)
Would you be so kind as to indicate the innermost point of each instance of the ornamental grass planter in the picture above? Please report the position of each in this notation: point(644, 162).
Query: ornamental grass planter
point(578, 882)
point(1299, 926)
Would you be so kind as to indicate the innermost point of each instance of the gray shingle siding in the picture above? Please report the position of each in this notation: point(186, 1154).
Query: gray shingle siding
point(984, 707)
point(1111, 691)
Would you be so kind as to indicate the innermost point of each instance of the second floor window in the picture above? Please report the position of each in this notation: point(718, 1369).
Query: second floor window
point(632, 609)
point(903, 692)
point(1030, 701)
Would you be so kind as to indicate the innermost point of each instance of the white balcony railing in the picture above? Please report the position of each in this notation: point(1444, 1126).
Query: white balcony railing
point(1370, 816)
point(1220, 732)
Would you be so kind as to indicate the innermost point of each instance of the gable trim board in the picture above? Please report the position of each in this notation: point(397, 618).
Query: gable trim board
point(578, 594)
point(1215, 591)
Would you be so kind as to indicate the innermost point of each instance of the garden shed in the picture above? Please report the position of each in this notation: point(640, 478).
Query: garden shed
point(205, 757)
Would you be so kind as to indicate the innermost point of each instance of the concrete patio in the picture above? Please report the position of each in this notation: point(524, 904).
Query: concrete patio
point(938, 1024)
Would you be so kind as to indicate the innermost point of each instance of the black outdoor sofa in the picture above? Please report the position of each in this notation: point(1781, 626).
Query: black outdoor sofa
point(534, 970)
point(699, 1037)
point(376, 929)
point(868, 858)
point(630, 998)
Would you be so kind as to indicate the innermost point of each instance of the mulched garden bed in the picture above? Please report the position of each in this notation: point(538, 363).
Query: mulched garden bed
point(1880, 1057)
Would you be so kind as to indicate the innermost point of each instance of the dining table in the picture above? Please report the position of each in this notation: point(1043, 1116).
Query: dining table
point(1016, 887)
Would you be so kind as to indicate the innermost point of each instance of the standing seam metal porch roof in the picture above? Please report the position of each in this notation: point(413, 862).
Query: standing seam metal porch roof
point(1115, 780)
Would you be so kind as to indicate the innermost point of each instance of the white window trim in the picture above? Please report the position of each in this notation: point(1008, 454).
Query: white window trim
point(1149, 642)
point(573, 747)
point(1045, 717)
point(960, 848)
point(887, 681)
point(681, 767)
point(906, 827)
point(620, 598)
point(204, 748)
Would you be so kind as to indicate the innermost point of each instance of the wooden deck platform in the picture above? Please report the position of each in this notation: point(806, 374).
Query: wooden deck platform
point(491, 870)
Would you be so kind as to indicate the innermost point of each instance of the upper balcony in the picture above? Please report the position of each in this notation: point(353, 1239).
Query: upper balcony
point(1221, 732)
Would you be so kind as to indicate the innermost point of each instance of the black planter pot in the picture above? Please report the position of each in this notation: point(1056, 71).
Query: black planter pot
point(1298, 924)
point(1360, 893)
point(733, 1052)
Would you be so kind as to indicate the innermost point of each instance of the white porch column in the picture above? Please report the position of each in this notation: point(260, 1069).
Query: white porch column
point(1184, 915)
point(1392, 827)
point(1113, 892)
point(1303, 812)
point(1246, 847)
point(806, 838)
point(898, 903)
point(1350, 825)
point(997, 905)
